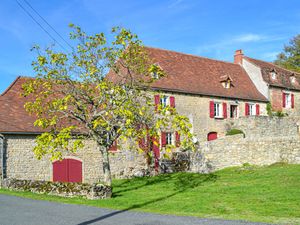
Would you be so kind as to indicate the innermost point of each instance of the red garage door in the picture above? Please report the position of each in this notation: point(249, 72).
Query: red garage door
point(212, 136)
point(67, 170)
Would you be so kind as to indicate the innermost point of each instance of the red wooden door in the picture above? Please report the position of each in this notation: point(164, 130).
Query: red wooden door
point(212, 136)
point(67, 170)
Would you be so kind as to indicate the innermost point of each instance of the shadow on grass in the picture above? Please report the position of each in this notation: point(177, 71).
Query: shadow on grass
point(180, 182)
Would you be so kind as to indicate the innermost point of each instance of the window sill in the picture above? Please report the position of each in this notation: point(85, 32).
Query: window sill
point(219, 117)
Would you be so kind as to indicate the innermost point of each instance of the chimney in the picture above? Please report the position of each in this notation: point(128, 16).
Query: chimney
point(238, 56)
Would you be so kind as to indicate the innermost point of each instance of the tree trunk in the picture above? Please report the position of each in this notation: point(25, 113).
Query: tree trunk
point(106, 167)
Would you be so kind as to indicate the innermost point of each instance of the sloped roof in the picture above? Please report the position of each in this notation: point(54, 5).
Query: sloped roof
point(283, 75)
point(192, 74)
point(13, 117)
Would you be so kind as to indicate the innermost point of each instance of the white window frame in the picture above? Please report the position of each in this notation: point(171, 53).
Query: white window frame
point(288, 100)
point(237, 111)
point(293, 79)
point(165, 101)
point(252, 109)
point(273, 75)
point(218, 110)
point(170, 138)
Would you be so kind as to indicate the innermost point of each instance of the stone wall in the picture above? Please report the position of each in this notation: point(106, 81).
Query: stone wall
point(89, 191)
point(22, 164)
point(196, 108)
point(264, 126)
point(236, 150)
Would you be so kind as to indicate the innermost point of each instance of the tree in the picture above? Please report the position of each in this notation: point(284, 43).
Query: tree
point(73, 99)
point(290, 57)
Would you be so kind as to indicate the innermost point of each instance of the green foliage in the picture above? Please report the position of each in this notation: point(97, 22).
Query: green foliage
point(290, 57)
point(234, 132)
point(73, 96)
point(269, 109)
point(280, 114)
point(268, 194)
point(271, 112)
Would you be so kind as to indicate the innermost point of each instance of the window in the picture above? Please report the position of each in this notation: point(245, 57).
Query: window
point(233, 111)
point(169, 138)
point(288, 100)
point(273, 75)
point(218, 110)
point(293, 79)
point(164, 101)
point(154, 75)
point(252, 110)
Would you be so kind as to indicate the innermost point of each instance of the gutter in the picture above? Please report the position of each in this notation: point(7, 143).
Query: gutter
point(2, 157)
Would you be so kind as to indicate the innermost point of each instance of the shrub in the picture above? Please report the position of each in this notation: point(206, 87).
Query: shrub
point(234, 132)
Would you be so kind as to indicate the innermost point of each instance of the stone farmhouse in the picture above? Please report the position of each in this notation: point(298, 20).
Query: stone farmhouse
point(215, 96)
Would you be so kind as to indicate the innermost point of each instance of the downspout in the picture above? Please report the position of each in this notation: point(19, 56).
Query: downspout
point(2, 157)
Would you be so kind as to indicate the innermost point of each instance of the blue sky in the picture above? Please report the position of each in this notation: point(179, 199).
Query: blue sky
point(211, 28)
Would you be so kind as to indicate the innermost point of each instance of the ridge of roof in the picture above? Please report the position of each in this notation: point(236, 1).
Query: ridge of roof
point(13, 83)
point(271, 64)
point(191, 55)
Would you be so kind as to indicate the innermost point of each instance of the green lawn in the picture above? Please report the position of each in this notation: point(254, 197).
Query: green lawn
point(266, 194)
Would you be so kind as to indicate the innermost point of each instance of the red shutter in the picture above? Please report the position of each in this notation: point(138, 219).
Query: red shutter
point(172, 101)
point(156, 102)
point(283, 100)
point(246, 109)
point(177, 139)
point(257, 110)
point(293, 101)
point(211, 109)
point(163, 139)
point(224, 110)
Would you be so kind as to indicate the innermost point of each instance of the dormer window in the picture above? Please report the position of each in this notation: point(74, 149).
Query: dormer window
point(154, 75)
point(273, 75)
point(226, 81)
point(227, 84)
point(292, 79)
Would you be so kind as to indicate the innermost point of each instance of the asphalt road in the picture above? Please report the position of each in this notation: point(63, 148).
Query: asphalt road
point(17, 211)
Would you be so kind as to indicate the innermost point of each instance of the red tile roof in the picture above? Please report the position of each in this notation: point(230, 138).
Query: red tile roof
point(185, 74)
point(283, 75)
point(199, 75)
point(13, 117)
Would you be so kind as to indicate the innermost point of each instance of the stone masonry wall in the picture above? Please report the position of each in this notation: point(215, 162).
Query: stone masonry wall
point(22, 164)
point(266, 141)
point(236, 150)
point(264, 126)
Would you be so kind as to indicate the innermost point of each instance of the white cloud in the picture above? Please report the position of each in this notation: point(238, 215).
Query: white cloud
point(175, 3)
point(236, 41)
point(248, 38)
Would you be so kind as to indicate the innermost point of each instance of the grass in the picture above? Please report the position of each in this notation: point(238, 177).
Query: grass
point(263, 194)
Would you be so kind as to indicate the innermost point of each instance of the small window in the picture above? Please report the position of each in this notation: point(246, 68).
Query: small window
point(227, 84)
point(293, 79)
point(154, 75)
point(288, 100)
point(273, 75)
point(233, 111)
point(169, 138)
point(252, 110)
point(218, 110)
point(164, 101)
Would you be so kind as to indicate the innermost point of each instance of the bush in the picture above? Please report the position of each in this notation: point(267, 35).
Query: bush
point(234, 132)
